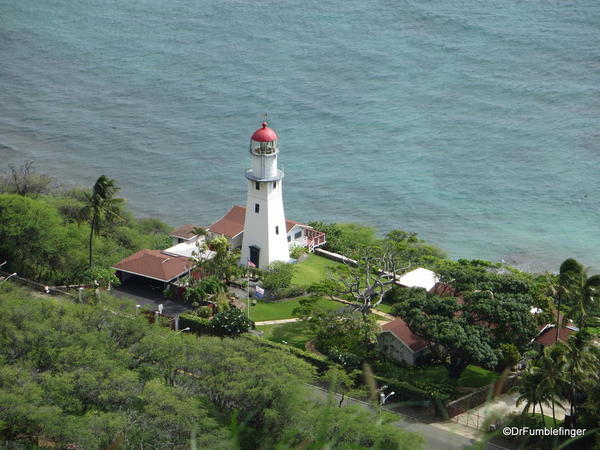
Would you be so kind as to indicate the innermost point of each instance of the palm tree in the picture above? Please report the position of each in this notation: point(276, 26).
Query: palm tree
point(581, 366)
point(551, 367)
point(101, 206)
point(582, 294)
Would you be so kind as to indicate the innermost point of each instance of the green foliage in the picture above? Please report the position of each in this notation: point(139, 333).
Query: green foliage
point(463, 341)
point(222, 265)
point(203, 289)
point(278, 276)
point(231, 322)
point(199, 325)
point(42, 239)
point(101, 208)
point(509, 313)
point(510, 356)
point(100, 277)
point(346, 238)
point(480, 275)
point(297, 251)
point(398, 294)
point(578, 292)
point(347, 338)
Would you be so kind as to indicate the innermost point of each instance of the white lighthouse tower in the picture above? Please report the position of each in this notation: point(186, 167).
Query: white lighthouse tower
point(265, 235)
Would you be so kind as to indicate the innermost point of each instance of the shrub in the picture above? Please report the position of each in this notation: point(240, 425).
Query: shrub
point(196, 324)
point(231, 322)
point(204, 311)
point(297, 251)
point(278, 276)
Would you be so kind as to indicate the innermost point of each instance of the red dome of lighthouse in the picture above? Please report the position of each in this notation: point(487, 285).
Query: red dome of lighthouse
point(264, 134)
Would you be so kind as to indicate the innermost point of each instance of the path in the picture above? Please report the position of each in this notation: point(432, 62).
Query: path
point(277, 322)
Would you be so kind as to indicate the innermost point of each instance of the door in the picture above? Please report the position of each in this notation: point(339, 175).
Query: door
point(254, 254)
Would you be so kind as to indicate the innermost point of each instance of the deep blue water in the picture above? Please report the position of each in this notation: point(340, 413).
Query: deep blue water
point(475, 124)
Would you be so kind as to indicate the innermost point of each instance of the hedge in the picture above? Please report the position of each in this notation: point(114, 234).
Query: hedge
point(321, 363)
point(196, 324)
point(404, 391)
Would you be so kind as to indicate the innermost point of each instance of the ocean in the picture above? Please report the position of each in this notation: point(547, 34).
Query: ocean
point(474, 124)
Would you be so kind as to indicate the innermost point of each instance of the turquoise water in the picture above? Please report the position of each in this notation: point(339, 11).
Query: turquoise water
point(475, 124)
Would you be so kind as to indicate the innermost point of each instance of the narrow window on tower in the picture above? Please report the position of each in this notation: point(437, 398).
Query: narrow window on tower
point(257, 186)
point(276, 230)
point(289, 238)
point(256, 207)
point(274, 184)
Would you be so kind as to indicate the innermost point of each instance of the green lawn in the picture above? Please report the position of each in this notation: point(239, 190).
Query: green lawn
point(311, 270)
point(283, 310)
point(385, 308)
point(295, 333)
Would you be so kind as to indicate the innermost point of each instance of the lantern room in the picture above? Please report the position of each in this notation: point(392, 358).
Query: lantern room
point(264, 141)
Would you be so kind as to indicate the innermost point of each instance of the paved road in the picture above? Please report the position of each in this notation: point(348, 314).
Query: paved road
point(438, 436)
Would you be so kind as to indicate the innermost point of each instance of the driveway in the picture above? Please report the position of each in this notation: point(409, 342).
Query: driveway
point(141, 294)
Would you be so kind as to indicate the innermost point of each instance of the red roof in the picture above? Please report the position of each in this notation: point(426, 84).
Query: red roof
point(264, 134)
point(548, 336)
point(232, 223)
point(399, 328)
point(184, 231)
point(155, 264)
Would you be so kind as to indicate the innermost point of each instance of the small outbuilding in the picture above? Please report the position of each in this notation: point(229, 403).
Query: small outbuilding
point(399, 343)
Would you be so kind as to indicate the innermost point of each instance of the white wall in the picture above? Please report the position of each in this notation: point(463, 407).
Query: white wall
point(260, 228)
point(395, 349)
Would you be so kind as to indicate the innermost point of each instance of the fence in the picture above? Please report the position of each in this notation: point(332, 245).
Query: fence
point(50, 290)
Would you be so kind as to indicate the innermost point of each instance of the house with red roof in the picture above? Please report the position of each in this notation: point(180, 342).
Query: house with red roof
point(399, 343)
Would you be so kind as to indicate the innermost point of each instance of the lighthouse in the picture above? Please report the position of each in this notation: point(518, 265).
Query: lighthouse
point(265, 235)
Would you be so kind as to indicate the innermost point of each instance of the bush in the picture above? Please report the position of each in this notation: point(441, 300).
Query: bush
point(278, 276)
point(204, 312)
point(290, 292)
point(231, 322)
point(297, 251)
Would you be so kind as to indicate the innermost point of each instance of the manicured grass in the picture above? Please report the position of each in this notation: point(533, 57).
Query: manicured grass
point(294, 333)
point(283, 309)
point(311, 270)
point(474, 376)
point(385, 308)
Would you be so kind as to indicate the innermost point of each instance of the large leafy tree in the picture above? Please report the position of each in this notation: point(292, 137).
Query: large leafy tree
point(440, 320)
point(101, 207)
point(506, 315)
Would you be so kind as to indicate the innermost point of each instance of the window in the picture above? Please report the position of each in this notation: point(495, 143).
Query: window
point(276, 230)
point(298, 235)
point(257, 186)
point(274, 184)
point(289, 238)
point(256, 208)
